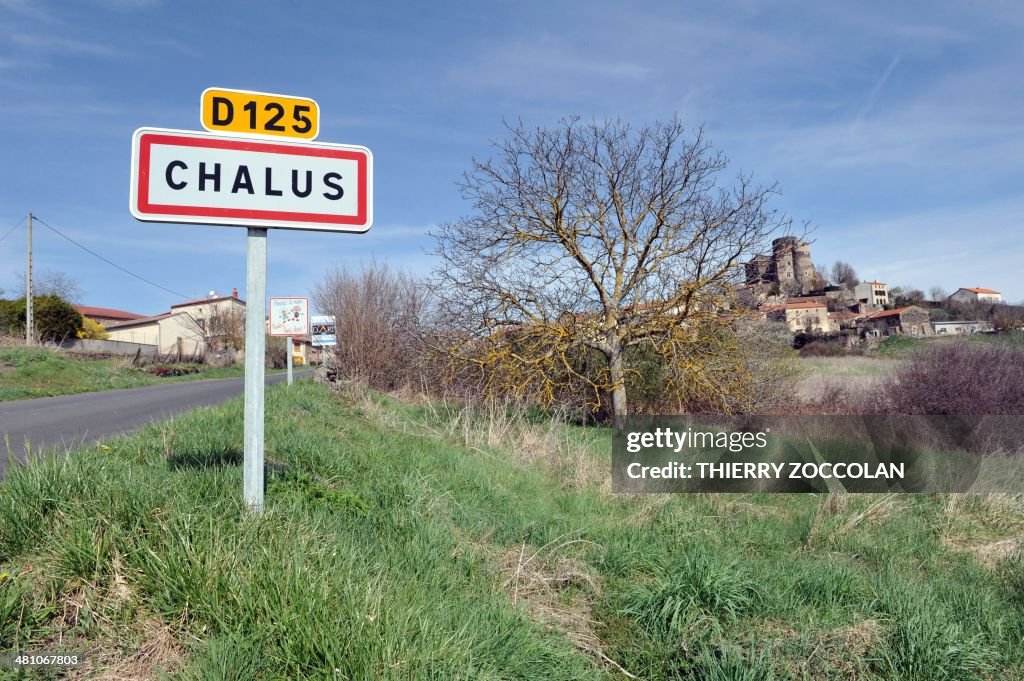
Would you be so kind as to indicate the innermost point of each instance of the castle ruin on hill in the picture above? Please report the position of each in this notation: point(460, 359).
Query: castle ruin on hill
point(789, 267)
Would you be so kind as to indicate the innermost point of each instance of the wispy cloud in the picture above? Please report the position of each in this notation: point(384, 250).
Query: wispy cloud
point(61, 45)
point(129, 5)
point(872, 97)
point(31, 9)
point(545, 65)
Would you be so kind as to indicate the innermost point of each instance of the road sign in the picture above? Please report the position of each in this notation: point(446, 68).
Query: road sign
point(289, 316)
point(259, 113)
point(238, 176)
point(181, 176)
point(323, 331)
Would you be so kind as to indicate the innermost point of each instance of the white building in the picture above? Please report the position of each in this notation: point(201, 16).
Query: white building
point(190, 328)
point(872, 292)
point(961, 328)
point(977, 295)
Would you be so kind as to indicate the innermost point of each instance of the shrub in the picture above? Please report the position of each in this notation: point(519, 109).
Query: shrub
point(379, 314)
point(173, 371)
point(959, 379)
point(55, 318)
point(92, 329)
point(821, 349)
point(276, 353)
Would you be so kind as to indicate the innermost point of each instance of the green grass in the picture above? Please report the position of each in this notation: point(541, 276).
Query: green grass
point(400, 542)
point(36, 372)
point(899, 346)
point(904, 346)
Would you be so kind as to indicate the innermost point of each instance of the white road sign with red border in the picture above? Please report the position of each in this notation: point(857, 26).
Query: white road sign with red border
point(204, 178)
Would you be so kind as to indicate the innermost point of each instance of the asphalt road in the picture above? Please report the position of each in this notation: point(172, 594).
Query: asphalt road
point(71, 421)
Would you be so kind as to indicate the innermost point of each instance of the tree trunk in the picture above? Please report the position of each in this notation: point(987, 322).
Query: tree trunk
point(618, 375)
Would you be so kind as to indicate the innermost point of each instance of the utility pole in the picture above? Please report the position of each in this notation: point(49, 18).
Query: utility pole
point(28, 288)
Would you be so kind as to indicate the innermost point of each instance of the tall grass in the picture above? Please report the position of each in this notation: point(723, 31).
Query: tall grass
point(415, 541)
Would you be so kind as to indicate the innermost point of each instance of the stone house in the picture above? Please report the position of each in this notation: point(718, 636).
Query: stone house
point(809, 316)
point(911, 321)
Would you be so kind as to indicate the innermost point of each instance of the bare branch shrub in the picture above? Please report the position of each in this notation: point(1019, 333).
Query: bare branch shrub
point(766, 349)
point(379, 316)
point(959, 379)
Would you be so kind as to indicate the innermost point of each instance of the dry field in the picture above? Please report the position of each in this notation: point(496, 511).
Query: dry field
point(853, 373)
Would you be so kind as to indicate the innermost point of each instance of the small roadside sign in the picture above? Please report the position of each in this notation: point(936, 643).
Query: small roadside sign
point(259, 113)
point(195, 177)
point(323, 331)
point(289, 316)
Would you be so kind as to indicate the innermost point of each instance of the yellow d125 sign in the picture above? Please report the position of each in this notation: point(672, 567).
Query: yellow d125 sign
point(259, 113)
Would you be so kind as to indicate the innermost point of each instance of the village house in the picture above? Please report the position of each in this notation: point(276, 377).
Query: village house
point(843, 319)
point(977, 295)
point(188, 329)
point(961, 328)
point(304, 352)
point(807, 316)
point(107, 315)
point(873, 293)
point(911, 320)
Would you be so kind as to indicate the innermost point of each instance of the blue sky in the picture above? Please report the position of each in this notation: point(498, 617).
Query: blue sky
point(896, 129)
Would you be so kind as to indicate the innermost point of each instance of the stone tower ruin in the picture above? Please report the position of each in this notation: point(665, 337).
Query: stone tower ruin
point(789, 266)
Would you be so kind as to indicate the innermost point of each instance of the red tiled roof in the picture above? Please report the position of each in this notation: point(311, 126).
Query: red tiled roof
point(200, 301)
point(106, 313)
point(981, 290)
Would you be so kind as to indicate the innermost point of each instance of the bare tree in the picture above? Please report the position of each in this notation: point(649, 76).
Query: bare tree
point(904, 296)
point(52, 283)
point(843, 274)
point(937, 294)
point(821, 275)
point(600, 237)
point(222, 328)
point(378, 312)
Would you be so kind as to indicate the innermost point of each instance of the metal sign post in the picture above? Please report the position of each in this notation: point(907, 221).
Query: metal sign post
point(255, 350)
point(290, 349)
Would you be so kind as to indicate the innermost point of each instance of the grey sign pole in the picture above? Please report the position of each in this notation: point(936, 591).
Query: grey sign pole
point(290, 349)
point(255, 349)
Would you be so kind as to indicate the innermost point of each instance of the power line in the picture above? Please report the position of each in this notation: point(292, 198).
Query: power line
point(113, 264)
point(11, 230)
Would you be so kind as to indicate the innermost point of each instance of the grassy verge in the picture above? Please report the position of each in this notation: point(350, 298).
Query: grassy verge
point(413, 542)
point(35, 372)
